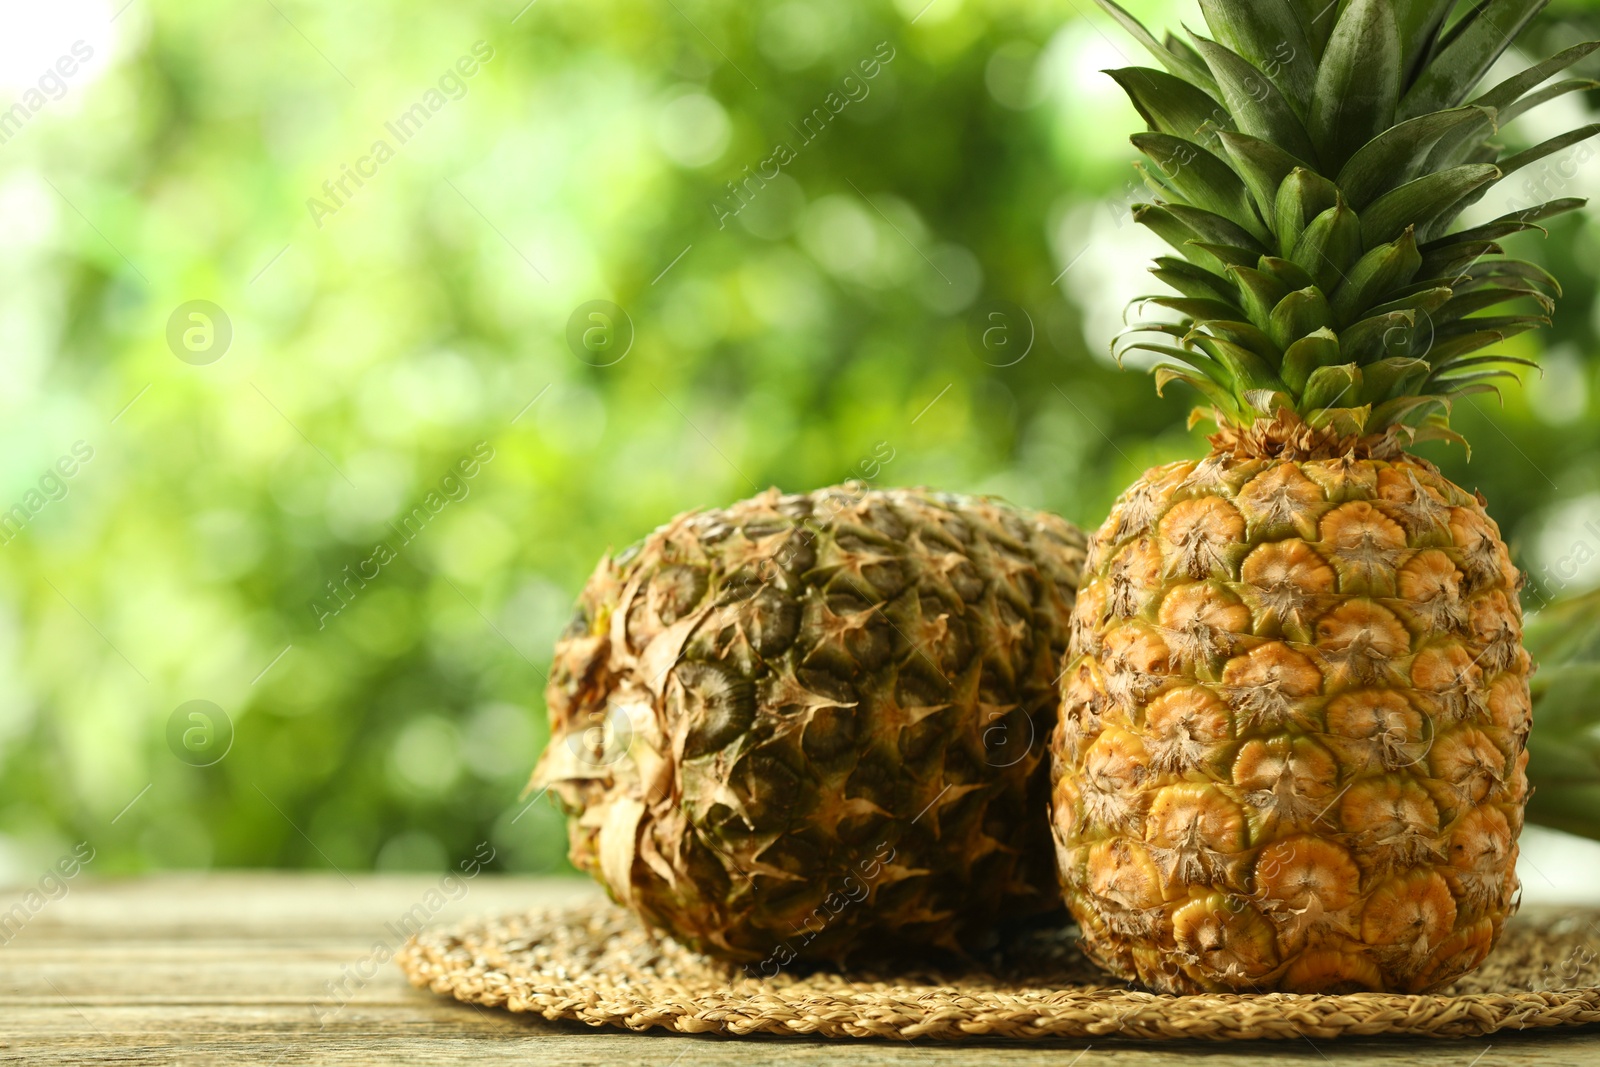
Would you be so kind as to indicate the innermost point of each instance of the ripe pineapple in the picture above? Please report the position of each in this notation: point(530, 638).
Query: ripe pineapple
point(1291, 748)
point(804, 724)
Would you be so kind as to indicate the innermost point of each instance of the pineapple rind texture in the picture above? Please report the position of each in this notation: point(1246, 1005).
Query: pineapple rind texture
point(806, 725)
point(1291, 748)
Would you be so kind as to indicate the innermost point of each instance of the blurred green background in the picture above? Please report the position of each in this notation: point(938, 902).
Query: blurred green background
point(383, 332)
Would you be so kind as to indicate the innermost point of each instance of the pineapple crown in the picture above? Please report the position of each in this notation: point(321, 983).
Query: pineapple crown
point(1311, 159)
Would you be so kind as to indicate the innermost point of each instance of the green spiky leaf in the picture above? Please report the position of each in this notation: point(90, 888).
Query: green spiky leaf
point(1258, 108)
point(1169, 104)
point(1547, 94)
point(1270, 35)
point(1176, 62)
point(1467, 53)
point(1261, 165)
point(1319, 349)
point(1419, 25)
point(1392, 158)
point(1311, 158)
point(1259, 293)
point(1550, 147)
point(1190, 280)
point(1201, 179)
point(1328, 385)
point(1380, 336)
point(1299, 314)
point(1329, 246)
point(1418, 203)
point(1302, 196)
point(1393, 377)
point(1512, 89)
point(1358, 83)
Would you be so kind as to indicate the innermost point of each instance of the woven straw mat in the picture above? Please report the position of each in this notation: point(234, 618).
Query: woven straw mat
point(596, 964)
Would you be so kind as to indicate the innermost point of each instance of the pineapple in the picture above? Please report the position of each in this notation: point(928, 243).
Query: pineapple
point(802, 725)
point(1291, 749)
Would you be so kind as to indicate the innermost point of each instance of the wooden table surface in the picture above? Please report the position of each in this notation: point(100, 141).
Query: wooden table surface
point(237, 968)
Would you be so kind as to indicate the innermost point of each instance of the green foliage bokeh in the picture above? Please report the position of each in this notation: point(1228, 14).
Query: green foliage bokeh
point(380, 338)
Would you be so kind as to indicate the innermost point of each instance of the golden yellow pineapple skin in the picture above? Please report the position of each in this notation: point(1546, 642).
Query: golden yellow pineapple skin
point(1291, 747)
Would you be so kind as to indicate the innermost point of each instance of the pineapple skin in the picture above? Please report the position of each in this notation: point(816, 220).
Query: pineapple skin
point(1291, 749)
point(808, 725)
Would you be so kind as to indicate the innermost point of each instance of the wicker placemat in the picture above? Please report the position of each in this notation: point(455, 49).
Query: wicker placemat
point(595, 963)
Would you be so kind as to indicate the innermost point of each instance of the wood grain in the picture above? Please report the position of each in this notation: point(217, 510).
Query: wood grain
point(246, 968)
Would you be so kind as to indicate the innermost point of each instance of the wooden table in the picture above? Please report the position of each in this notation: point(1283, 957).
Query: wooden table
point(236, 969)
